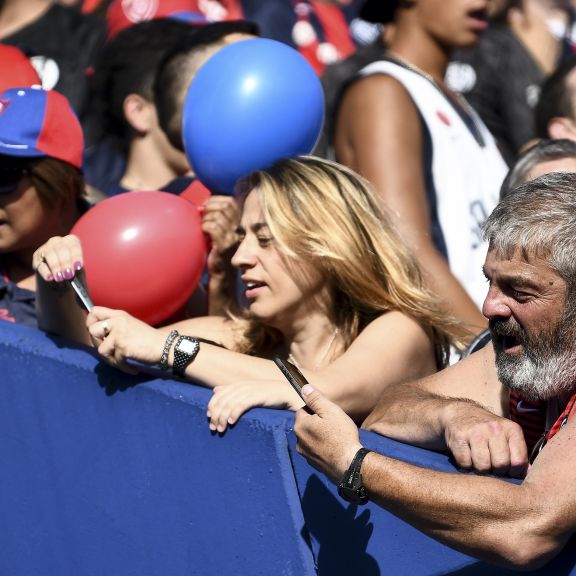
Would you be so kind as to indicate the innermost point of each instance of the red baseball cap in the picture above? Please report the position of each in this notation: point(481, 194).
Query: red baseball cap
point(124, 13)
point(16, 70)
point(35, 123)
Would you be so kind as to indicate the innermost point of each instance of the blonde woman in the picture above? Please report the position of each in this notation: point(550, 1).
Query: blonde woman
point(329, 285)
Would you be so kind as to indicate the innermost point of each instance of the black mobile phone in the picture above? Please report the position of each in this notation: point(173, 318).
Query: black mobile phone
point(292, 374)
point(82, 293)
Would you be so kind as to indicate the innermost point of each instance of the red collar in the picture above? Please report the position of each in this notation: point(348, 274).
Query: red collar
point(563, 418)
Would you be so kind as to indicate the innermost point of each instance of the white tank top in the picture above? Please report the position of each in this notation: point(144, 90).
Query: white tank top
point(464, 175)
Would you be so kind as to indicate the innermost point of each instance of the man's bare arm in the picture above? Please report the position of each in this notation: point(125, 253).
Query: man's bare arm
point(413, 411)
point(521, 526)
point(460, 409)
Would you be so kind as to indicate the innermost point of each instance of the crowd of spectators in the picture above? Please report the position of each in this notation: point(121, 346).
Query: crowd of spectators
point(447, 158)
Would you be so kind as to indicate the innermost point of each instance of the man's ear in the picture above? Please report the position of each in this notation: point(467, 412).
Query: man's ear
point(562, 127)
point(516, 19)
point(138, 111)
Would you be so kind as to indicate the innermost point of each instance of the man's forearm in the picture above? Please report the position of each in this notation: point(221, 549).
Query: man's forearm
point(417, 412)
point(491, 519)
point(410, 414)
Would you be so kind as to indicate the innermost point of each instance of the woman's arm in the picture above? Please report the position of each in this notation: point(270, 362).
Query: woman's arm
point(392, 349)
point(61, 258)
point(119, 336)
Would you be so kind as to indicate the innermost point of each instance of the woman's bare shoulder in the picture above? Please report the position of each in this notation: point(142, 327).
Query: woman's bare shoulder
point(394, 325)
point(396, 336)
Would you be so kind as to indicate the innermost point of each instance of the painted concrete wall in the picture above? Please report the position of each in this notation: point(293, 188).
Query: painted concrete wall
point(107, 474)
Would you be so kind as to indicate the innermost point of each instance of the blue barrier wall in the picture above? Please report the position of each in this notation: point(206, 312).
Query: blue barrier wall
point(107, 474)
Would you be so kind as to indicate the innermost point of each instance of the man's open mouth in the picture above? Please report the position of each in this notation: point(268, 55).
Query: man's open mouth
point(506, 343)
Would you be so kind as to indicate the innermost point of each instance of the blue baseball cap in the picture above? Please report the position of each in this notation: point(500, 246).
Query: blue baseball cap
point(37, 123)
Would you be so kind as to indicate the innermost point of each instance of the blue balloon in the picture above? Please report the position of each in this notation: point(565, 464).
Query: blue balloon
point(250, 104)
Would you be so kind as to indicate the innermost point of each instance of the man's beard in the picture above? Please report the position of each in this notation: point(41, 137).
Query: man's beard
point(546, 366)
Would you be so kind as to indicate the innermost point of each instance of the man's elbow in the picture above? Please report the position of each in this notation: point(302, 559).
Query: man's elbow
point(530, 560)
point(370, 423)
point(375, 423)
point(526, 553)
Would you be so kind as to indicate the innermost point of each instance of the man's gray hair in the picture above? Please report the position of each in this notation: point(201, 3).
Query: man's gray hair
point(538, 218)
point(543, 151)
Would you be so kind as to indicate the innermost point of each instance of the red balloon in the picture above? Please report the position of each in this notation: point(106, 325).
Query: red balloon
point(144, 252)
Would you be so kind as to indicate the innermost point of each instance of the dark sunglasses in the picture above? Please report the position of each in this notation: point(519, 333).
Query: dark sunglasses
point(10, 177)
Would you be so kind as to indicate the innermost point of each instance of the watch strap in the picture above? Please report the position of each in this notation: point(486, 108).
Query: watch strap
point(351, 487)
point(182, 359)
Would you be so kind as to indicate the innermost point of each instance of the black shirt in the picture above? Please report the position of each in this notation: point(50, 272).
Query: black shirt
point(503, 86)
point(63, 44)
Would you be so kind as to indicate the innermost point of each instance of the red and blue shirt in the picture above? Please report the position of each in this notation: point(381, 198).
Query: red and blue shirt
point(17, 304)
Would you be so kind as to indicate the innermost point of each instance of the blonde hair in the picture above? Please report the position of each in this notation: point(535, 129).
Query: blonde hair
point(326, 214)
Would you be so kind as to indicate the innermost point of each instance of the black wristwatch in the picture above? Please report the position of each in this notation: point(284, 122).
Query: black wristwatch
point(185, 351)
point(351, 487)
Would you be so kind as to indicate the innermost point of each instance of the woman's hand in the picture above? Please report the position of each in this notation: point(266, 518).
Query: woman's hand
point(119, 336)
point(220, 218)
point(229, 402)
point(59, 258)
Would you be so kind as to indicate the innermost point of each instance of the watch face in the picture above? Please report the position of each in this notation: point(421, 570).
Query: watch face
point(187, 346)
point(351, 495)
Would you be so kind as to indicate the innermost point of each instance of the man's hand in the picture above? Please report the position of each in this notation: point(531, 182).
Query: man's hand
point(484, 442)
point(327, 437)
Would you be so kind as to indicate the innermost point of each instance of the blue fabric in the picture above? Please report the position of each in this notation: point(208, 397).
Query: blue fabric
point(108, 473)
point(22, 114)
point(431, 194)
point(176, 186)
point(189, 17)
point(104, 165)
point(17, 304)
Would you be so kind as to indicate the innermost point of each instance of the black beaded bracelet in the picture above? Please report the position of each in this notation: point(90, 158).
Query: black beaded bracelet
point(166, 351)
